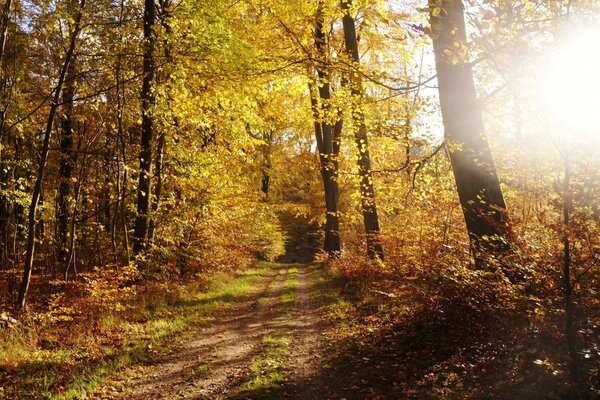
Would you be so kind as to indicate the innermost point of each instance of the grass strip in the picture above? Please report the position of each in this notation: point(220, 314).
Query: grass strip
point(267, 370)
point(289, 290)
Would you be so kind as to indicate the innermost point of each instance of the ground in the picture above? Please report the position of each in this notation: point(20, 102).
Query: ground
point(267, 346)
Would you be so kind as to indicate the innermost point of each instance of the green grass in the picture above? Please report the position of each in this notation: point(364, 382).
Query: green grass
point(75, 371)
point(270, 286)
point(288, 292)
point(337, 310)
point(267, 370)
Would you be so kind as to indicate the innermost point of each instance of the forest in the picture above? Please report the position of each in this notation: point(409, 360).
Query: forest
point(300, 199)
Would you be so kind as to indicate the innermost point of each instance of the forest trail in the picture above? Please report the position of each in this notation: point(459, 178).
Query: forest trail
point(264, 347)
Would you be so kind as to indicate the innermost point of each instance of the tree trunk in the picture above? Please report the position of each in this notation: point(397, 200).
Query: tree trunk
point(570, 328)
point(4, 173)
point(325, 133)
point(67, 162)
point(328, 162)
point(266, 169)
point(367, 190)
point(121, 147)
point(165, 17)
point(4, 28)
point(148, 101)
point(160, 148)
point(37, 189)
point(474, 171)
point(106, 191)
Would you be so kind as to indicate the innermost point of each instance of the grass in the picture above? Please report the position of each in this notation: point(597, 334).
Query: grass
point(271, 286)
point(267, 370)
point(288, 292)
point(30, 370)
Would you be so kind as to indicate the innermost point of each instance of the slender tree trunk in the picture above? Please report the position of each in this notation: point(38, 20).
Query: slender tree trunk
point(106, 191)
point(359, 127)
point(115, 214)
point(67, 163)
point(266, 170)
point(122, 197)
point(148, 101)
point(165, 17)
point(570, 330)
point(160, 148)
point(474, 171)
point(18, 210)
point(4, 28)
point(72, 260)
point(328, 161)
point(37, 189)
point(325, 132)
point(4, 173)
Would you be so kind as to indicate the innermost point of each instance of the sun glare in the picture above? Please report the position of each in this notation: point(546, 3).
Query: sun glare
point(571, 87)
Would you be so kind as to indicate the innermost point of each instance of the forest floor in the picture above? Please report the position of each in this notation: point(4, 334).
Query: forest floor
point(292, 330)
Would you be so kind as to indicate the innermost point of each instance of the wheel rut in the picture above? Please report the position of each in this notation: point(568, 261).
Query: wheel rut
point(215, 361)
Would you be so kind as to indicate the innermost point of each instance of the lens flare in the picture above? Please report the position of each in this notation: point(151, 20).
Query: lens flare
point(571, 84)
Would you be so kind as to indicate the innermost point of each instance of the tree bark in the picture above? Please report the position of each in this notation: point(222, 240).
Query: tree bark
point(147, 137)
point(4, 28)
point(37, 189)
point(570, 328)
point(477, 183)
point(67, 162)
point(267, 165)
point(160, 148)
point(4, 173)
point(359, 127)
point(326, 144)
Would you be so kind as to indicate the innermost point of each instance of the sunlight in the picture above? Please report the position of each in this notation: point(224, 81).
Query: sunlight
point(571, 83)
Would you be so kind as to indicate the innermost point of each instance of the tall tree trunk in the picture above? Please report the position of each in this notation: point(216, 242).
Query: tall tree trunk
point(359, 127)
point(4, 28)
point(165, 18)
point(328, 162)
point(474, 171)
point(37, 189)
point(570, 328)
point(148, 101)
point(106, 196)
point(266, 169)
point(4, 173)
point(160, 148)
point(325, 133)
point(121, 147)
point(67, 162)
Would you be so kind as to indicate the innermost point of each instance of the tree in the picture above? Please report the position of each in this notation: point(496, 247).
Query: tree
point(477, 183)
point(327, 135)
point(359, 128)
point(67, 161)
point(4, 175)
point(147, 137)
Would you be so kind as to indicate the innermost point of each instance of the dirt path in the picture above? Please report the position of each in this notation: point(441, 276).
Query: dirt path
point(215, 362)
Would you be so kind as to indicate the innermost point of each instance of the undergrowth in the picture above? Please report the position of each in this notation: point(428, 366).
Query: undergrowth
point(460, 332)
